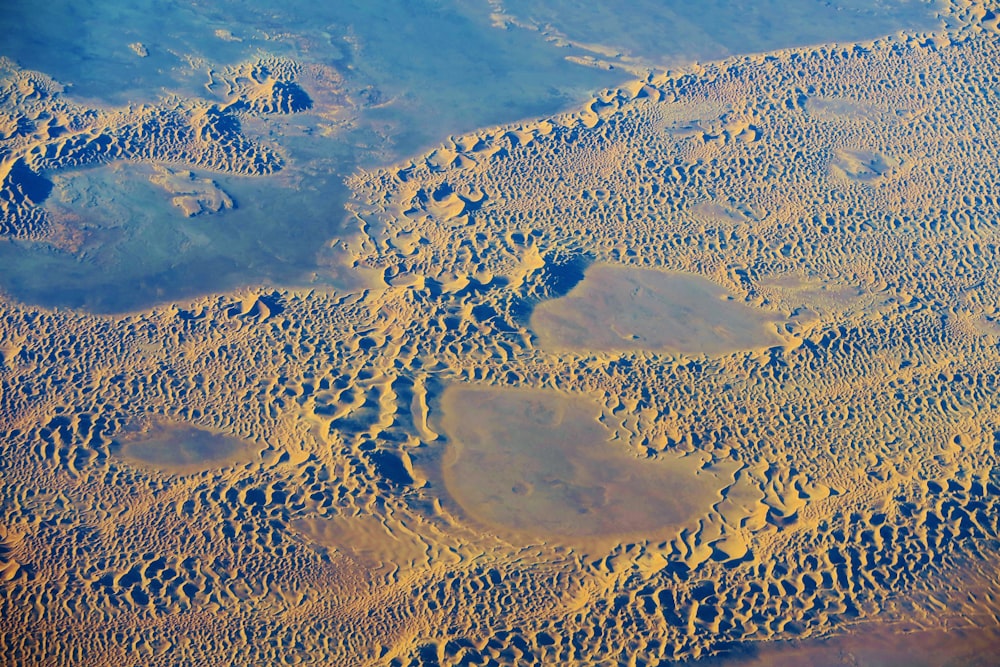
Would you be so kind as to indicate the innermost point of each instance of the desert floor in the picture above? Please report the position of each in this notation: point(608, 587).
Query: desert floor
point(563, 341)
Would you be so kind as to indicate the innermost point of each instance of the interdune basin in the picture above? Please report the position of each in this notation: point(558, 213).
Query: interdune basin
point(702, 371)
point(616, 309)
point(541, 464)
point(180, 449)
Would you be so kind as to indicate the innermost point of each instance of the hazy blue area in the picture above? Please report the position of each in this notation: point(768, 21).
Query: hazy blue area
point(658, 32)
point(441, 62)
point(430, 69)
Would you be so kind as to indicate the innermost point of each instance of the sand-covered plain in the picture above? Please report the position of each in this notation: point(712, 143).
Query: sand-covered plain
point(616, 309)
point(542, 466)
point(785, 448)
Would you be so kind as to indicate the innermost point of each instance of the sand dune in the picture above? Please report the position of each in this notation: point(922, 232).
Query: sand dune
point(433, 481)
point(45, 132)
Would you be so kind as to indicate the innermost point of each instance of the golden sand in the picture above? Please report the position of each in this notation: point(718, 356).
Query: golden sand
point(740, 320)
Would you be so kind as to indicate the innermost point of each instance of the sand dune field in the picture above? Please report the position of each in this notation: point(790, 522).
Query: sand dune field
point(704, 369)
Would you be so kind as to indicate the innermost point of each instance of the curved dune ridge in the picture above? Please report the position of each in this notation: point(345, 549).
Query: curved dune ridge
point(616, 309)
point(366, 540)
point(437, 484)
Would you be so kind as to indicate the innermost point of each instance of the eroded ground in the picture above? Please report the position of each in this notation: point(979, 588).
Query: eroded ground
point(416, 463)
